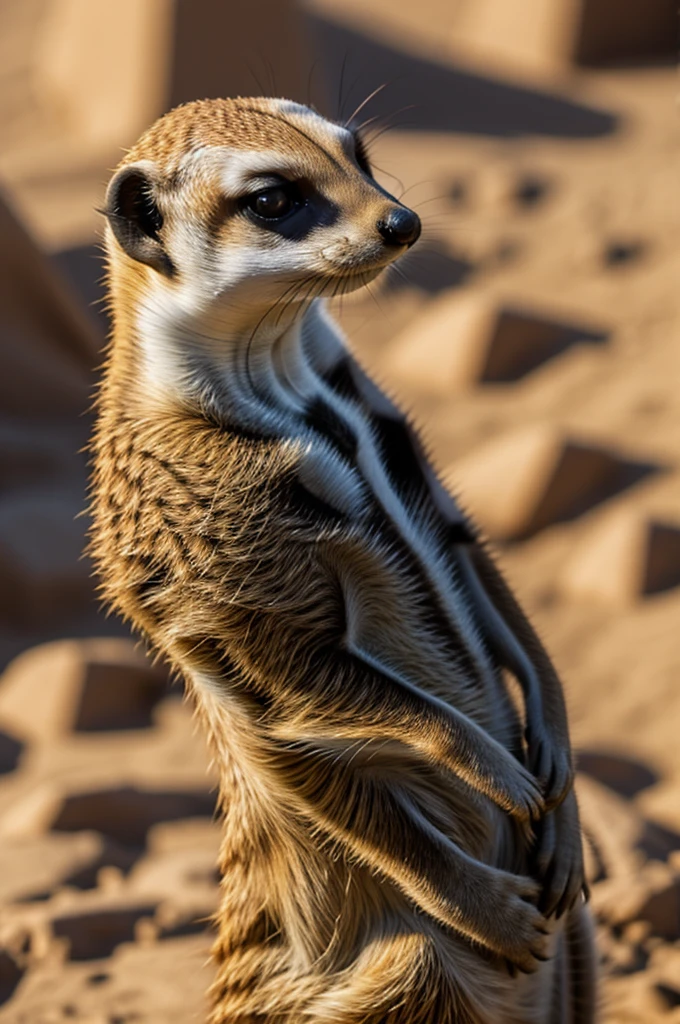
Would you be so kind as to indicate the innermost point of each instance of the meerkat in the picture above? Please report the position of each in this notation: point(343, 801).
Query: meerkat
point(401, 838)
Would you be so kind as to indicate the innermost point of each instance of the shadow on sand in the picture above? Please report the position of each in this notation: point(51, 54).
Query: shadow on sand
point(441, 97)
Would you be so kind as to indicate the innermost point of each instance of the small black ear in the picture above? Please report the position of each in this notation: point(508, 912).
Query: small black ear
point(135, 219)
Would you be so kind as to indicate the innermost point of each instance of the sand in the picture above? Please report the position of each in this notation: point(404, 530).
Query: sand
point(534, 337)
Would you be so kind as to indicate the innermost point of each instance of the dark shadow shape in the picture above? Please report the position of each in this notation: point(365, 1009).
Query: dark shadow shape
point(523, 341)
point(10, 752)
point(95, 935)
point(116, 697)
point(670, 995)
point(10, 976)
point(505, 252)
point(100, 978)
point(658, 842)
point(531, 190)
point(83, 268)
point(37, 897)
point(115, 855)
point(429, 267)
point(440, 97)
point(662, 562)
point(617, 254)
point(622, 477)
point(189, 926)
point(204, 876)
point(126, 814)
point(583, 478)
point(458, 192)
point(627, 32)
point(621, 774)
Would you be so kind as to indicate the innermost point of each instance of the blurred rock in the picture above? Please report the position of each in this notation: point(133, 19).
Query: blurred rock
point(627, 556)
point(615, 771)
point(10, 752)
point(47, 351)
point(635, 999)
point(76, 925)
point(81, 686)
point(32, 813)
point(81, 81)
point(623, 252)
point(670, 993)
point(126, 813)
point(664, 963)
point(613, 826)
point(534, 477)
point(652, 894)
point(542, 35)
point(531, 190)
point(427, 70)
point(461, 341)
point(150, 983)
point(661, 907)
point(635, 896)
point(48, 346)
point(95, 934)
point(113, 69)
point(10, 976)
point(33, 868)
point(45, 580)
point(122, 814)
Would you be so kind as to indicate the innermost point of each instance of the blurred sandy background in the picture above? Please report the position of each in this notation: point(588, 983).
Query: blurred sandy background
point(534, 335)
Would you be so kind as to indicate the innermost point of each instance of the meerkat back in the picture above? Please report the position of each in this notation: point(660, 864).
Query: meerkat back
point(401, 841)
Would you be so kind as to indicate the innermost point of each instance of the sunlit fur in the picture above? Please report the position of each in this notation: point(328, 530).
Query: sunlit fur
point(267, 518)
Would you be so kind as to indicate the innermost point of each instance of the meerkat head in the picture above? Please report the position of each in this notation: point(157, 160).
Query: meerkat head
point(227, 210)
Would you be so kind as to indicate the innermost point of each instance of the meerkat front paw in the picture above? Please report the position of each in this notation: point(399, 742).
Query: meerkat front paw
point(549, 760)
point(559, 858)
point(515, 790)
point(519, 932)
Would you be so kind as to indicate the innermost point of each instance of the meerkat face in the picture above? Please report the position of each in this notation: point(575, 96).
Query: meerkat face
point(234, 209)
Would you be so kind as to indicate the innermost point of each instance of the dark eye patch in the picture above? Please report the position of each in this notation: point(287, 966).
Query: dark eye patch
point(309, 210)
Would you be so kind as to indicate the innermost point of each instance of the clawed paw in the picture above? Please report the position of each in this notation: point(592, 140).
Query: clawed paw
point(550, 764)
point(525, 942)
point(519, 794)
point(558, 859)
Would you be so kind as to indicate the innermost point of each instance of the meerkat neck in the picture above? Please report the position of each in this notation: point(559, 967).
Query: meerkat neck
point(217, 368)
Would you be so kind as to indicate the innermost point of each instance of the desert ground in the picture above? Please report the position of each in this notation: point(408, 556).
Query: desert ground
point(534, 336)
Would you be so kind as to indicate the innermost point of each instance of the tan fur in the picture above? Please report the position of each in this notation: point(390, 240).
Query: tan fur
point(377, 844)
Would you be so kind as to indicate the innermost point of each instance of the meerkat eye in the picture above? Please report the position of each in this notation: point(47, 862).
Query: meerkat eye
point(274, 203)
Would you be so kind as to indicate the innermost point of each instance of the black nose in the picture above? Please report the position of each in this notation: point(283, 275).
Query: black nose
point(400, 226)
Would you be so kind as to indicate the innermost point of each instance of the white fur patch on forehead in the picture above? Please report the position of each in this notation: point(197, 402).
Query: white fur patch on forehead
point(234, 167)
point(241, 170)
point(255, 168)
